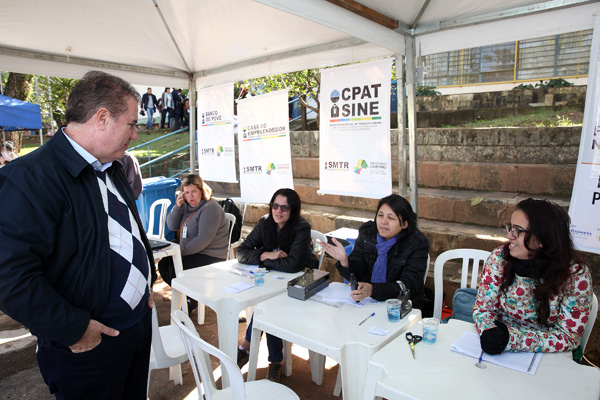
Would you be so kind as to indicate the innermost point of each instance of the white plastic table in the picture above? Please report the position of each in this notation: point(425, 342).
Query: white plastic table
point(330, 331)
point(204, 284)
point(438, 373)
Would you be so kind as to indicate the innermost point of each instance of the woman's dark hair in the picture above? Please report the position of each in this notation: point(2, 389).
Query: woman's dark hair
point(554, 252)
point(403, 210)
point(286, 234)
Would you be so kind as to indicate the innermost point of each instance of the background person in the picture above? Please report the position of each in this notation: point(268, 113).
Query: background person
point(204, 230)
point(280, 241)
point(8, 153)
point(535, 294)
point(72, 269)
point(387, 250)
point(167, 108)
point(149, 104)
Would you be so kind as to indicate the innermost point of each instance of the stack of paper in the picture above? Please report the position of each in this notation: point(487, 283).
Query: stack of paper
point(237, 287)
point(469, 345)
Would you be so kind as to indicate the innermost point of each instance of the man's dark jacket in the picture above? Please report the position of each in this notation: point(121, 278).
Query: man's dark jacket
point(55, 257)
point(407, 262)
point(145, 101)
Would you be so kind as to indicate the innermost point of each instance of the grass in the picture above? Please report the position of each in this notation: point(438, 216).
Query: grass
point(174, 142)
point(540, 118)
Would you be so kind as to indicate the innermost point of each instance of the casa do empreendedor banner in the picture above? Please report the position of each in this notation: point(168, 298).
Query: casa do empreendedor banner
point(264, 145)
point(216, 154)
point(355, 149)
point(585, 200)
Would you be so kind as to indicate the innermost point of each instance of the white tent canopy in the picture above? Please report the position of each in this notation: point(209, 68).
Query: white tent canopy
point(167, 42)
point(191, 43)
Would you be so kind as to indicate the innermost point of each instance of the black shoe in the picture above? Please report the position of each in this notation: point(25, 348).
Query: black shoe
point(274, 372)
point(242, 357)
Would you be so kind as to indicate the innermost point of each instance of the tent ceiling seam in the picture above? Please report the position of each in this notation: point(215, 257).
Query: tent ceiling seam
point(166, 25)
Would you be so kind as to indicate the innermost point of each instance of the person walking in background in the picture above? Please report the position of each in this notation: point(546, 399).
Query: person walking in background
point(167, 108)
point(75, 262)
point(149, 104)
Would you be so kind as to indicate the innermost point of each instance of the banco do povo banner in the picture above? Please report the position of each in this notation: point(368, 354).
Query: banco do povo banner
point(355, 152)
point(216, 154)
point(585, 201)
point(264, 145)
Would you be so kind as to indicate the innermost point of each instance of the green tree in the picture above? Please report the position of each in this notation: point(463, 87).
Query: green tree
point(18, 87)
point(54, 99)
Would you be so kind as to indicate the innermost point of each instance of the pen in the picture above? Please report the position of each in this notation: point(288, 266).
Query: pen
point(481, 356)
point(366, 319)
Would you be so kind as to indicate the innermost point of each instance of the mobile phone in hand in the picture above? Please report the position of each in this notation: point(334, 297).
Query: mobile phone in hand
point(353, 284)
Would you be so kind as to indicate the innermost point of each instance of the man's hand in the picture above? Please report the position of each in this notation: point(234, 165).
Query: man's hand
point(92, 336)
point(273, 255)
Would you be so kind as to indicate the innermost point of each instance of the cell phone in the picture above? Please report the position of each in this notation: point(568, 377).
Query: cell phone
point(354, 284)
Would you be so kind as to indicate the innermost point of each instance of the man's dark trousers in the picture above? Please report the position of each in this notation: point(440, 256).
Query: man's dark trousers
point(116, 369)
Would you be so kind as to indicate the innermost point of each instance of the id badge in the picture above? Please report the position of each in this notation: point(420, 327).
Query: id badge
point(184, 232)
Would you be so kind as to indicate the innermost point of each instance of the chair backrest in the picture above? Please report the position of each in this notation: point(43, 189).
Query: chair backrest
point(231, 219)
point(164, 204)
point(473, 260)
point(199, 352)
point(166, 336)
point(590, 324)
point(427, 268)
point(316, 235)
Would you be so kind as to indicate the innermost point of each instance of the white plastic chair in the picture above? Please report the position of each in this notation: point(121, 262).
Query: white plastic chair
point(473, 261)
point(164, 204)
point(199, 351)
point(167, 351)
point(241, 205)
point(318, 236)
point(590, 324)
point(231, 219)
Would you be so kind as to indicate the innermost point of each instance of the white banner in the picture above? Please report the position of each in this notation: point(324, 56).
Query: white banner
point(264, 146)
point(216, 154)
point(585, 200)
point(355, 150)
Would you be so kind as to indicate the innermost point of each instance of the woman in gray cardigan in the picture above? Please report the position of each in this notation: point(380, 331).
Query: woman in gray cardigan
point(204, 230)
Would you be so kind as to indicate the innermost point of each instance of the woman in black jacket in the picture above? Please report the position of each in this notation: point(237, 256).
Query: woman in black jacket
point(388, 251)
point(280, 241)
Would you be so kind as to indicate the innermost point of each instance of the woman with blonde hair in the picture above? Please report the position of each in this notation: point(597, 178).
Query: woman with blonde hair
point(204, 230)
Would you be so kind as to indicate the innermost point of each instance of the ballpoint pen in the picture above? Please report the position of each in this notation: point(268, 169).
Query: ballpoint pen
point(366, 319)
point(479, 363)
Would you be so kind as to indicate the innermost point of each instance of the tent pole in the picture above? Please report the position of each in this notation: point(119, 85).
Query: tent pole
point(412, 121)
point(192, 126)
point(401, 117)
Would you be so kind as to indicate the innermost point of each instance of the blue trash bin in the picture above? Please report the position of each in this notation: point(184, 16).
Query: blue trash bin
point(153, 189)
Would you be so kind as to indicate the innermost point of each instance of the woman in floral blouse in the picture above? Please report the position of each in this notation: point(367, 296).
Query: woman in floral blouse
point(535, 294)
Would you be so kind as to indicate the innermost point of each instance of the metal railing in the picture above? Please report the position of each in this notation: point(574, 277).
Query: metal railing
point(163, 157)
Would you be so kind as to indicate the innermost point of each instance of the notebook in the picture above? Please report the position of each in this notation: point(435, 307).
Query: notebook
point(158, 244)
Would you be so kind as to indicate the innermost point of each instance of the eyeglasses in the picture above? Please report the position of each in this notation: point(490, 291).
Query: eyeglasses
point(284, 207)
point(515, 231)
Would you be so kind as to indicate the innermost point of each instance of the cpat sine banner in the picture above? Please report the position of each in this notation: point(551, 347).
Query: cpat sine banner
point(216, 155)
point(584, 209)
point(354, 143)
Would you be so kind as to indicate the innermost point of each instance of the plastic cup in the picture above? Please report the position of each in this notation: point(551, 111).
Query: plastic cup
point(259, 276)
point(430, 330)
point(393, 309)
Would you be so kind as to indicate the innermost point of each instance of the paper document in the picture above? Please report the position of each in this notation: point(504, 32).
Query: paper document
point(469, 345)
point(237, 287)
point(338, 292)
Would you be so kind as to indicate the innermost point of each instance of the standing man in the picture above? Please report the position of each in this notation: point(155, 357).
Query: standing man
point(75, 263)
point(167, 104)
point(149, 104)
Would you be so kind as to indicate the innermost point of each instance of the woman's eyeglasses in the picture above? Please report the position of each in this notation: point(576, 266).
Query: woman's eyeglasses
point(515, 231)
point(284, 207)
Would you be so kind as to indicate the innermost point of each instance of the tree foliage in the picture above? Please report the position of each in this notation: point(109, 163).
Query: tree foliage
point(17, 86)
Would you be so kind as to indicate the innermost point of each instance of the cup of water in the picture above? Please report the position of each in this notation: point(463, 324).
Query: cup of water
point(259, 276)
point(430, 330)
point(393, 309)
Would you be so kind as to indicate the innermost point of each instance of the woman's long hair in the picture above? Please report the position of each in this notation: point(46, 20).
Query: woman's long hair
point(549, 226)
point(403, 210)
point(202, 186)
point(286, 234)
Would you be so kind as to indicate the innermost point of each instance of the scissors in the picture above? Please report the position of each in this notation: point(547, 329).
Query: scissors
point(412, 340)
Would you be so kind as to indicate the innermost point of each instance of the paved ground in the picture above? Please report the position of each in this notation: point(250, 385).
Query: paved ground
point(21, 379)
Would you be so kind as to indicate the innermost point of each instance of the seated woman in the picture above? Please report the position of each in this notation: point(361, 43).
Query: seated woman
point(280, 241)
point(389, 252)
point(204, 235)
point(535, 293)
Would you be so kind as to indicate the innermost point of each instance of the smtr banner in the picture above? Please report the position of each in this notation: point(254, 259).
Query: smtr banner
point(355, 150)
point(585, 200)
point(264, 144)
point(216, 156)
